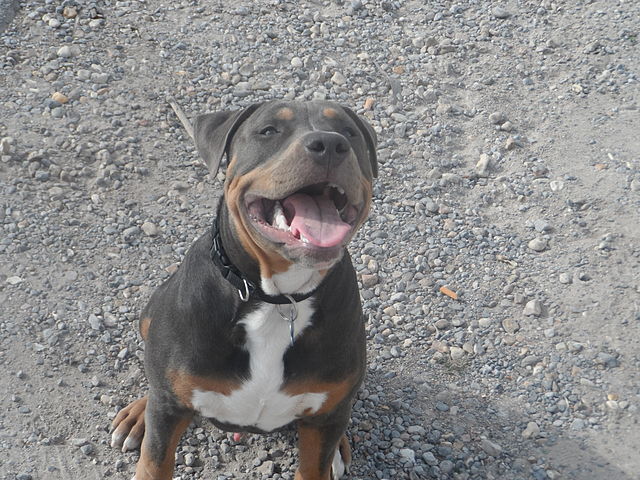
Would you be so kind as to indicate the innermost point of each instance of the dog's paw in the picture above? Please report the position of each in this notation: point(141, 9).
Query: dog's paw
point(338, 468)
point(128, 426)
point(341, 459)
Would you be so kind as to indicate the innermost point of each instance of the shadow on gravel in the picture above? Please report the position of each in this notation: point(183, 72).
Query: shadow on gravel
point(416, 428)
point(8, 10)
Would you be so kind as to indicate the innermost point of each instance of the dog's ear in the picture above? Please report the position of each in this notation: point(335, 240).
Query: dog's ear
point(213, 133)
point(370, 138)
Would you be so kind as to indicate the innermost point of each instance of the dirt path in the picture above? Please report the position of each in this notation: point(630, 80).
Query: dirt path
point(509, 172)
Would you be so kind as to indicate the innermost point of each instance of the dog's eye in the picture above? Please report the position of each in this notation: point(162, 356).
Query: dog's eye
point(349, 132)
point(268, 131)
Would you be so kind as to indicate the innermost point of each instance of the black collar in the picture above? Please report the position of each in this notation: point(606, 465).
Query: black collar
point(245, 287)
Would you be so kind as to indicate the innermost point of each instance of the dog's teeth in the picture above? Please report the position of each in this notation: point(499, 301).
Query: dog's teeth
point(333, 185)
point(279, 220)
point(304, 239)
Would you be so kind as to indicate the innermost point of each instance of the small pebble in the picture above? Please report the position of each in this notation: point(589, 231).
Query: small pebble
point(533, 308)
point(564, 278)
point(456, 353)
point(532, 430)
point(150, 229)
point(500, 12)
point(482, 167)
point(491, 448)
point(65, 51)
point(538, 244)
point(59, 97)
point(87, 449)
point(497, 118)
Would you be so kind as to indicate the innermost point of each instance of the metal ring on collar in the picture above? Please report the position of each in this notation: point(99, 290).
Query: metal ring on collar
point(244, 296)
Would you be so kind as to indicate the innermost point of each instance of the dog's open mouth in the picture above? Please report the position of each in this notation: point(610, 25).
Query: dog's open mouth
point(318, 215)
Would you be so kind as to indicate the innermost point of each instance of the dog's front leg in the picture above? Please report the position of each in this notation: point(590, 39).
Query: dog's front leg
point(323, 450)
point(164, 425)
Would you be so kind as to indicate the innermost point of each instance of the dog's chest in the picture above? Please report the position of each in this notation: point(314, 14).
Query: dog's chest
point(260, 401)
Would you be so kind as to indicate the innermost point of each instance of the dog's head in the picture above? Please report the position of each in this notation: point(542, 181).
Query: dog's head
point(299, 178)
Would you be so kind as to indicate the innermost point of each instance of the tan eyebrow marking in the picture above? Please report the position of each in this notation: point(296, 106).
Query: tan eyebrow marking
point(285, 114)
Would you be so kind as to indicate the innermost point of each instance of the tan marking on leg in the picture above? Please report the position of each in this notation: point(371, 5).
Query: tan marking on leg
point(184, 384)
point(145, 323)
point(310, 445)
point(345, 451)
point(336, 392)
point(285, 113)
point(330, 112)
point(147, 469)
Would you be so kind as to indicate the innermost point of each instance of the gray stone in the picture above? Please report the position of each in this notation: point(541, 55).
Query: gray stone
point(565, 278)
point(79, 442)
point(56, 193)
point(87, 449)
point(533, 308)
point(510, 325)
point(500, 12)
point(95, 322)
point(446, 466)
point(556, 185)
point(490, 448)
point(429, 458)
point(497, 118)
point(267, 467)
point(189, 459)
point(577, 424)
point(408, 454)
point(57, 112)
point(65, 52)
point(529, 360)
point(483, 165)
point(6, 146)
point(338, 78)
point(607, 360)
point(83, 74)
point(532, 430)
point(456, 353)
point(130, 233)
point(150, 229)
point(541, 225)
point(100, 77)
point(538, 244)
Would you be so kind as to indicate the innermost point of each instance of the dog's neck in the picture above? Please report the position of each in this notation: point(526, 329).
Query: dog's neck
point(297, 279)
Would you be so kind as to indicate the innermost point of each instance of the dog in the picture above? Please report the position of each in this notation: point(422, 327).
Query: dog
point(261, 326)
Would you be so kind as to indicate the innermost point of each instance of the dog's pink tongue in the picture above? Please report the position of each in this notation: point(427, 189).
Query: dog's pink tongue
point(316, 218)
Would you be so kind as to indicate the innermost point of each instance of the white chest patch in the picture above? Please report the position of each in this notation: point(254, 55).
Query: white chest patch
point(259, 402)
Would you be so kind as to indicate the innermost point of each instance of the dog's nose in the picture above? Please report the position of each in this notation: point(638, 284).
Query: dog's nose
point(325, 147)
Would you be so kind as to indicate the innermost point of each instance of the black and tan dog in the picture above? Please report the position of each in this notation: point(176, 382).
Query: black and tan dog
point(261, 325)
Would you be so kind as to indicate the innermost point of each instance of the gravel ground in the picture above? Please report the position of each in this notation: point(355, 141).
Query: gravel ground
point(510, 174)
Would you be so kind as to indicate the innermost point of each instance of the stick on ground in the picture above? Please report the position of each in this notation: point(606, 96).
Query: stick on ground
point(183, 118)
